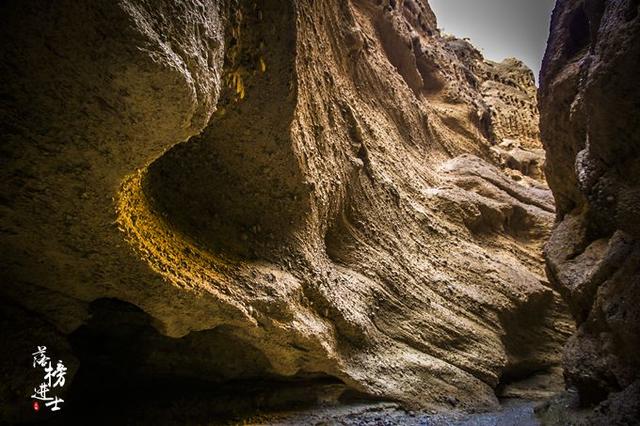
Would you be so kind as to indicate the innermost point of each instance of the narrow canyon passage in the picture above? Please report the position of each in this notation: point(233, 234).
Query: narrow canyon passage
point(316, 212)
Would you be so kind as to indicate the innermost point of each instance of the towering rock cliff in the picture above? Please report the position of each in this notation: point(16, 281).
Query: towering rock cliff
point(270, 190)
point(591, 132)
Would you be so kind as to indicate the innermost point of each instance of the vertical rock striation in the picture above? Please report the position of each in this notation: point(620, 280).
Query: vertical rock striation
point(590, 122)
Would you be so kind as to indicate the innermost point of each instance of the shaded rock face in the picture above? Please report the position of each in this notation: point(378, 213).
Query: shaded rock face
point(286, 190)
point(590, 122)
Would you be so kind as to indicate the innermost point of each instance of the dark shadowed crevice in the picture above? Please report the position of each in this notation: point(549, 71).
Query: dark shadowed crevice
point(237, 188)
point(399, 49)
point(131, 373)
point(519, 326)
point(579, 32)
point(432, 80)
point(633, 9)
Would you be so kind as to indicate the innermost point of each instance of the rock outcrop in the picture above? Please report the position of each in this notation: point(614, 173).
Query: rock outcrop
point(289, 190)
point(590, 121)
point(508, 90)
point(509, 116)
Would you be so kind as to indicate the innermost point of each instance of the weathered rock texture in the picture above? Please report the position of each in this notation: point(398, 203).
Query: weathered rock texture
point(509, 91)
point(591, 131)
point(508, 112)
point(337, 216)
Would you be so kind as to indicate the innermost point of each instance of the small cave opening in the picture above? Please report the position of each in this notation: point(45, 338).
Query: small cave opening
point(130, 373)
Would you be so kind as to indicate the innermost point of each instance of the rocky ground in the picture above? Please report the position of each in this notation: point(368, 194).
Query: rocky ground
point(511, 413)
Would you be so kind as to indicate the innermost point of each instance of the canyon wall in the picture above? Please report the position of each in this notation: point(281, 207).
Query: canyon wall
point(590, 122)
point(249, 190)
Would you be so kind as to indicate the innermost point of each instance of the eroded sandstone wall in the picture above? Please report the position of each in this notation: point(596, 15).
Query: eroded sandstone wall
point(508, 113)
point(281, 189)
point(591, 131)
